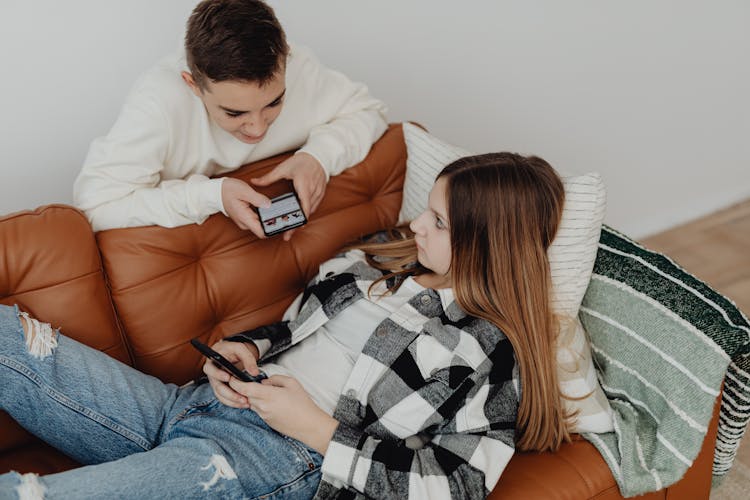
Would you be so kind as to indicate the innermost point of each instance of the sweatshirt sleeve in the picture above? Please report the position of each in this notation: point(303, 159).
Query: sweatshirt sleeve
point(120, 184)
point(355, 118)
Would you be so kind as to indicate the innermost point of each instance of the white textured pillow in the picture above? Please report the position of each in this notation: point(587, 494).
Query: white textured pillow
point(571, 258)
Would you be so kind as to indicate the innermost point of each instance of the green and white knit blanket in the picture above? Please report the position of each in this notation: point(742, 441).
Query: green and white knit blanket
point(663, 342)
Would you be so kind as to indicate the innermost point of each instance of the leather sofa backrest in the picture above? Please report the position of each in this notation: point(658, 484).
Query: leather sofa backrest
point(212, 280)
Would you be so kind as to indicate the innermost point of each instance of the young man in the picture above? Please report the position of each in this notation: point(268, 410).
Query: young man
point(237, 94)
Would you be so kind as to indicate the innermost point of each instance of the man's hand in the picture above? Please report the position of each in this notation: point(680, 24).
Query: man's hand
point(308, 177)
point(284, 404)
point(237, 196)
point(243, 354)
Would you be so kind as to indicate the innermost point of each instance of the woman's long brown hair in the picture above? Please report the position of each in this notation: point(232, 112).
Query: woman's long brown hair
point(503, 211)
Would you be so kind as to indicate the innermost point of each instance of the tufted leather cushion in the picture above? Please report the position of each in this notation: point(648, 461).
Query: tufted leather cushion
point(61, 283)
point(212, 280)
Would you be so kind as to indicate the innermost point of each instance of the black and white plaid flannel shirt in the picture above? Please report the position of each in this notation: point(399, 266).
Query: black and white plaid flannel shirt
point(429, 409)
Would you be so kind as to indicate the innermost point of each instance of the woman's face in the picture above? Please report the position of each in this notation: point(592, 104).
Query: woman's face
point(432, 232)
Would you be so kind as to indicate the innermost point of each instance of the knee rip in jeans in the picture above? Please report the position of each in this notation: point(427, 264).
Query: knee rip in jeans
point(222, 470)
point(30, 488)
point(41, 338)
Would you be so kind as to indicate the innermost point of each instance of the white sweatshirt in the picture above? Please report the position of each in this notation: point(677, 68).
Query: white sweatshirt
point(154, 165)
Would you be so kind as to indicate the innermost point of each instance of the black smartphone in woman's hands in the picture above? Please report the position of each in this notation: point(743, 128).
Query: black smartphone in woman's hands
point(223, 363)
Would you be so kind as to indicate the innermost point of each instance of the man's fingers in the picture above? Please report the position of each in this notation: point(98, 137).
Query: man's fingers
point(235, 192)
point(244, 193)
point(274, 175)
point(315, 198)
point(255, 227)
point(254, 198)
point(311, 191)
point(304, 195)
point(247, 219)
point(243, 220)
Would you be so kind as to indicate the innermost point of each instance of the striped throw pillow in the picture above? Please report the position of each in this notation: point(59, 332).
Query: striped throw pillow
point(571, 258)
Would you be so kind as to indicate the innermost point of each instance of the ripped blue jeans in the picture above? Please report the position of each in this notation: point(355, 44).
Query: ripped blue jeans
point(138, 437)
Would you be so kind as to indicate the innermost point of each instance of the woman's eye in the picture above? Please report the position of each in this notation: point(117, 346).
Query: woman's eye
point(438, 223)
point(233, 115)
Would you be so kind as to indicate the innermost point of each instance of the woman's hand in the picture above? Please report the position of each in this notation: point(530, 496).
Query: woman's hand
point(245, 356)
point(285, 406)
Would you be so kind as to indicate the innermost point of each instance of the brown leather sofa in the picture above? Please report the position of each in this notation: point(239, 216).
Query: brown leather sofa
point(141, 294)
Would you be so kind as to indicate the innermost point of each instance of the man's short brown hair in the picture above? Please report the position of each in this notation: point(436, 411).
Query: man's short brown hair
point(234, 40)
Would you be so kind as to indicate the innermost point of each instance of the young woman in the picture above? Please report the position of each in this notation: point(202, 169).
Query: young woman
point(409, 368)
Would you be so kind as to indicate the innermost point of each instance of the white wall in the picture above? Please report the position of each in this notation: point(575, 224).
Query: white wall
point(65, 68)
point(652, 94)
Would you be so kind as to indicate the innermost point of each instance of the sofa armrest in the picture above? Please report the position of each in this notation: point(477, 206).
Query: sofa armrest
point(52, 269)
point(578, 471)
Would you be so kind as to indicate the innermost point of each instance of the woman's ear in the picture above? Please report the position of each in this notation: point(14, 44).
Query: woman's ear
point(190, 81)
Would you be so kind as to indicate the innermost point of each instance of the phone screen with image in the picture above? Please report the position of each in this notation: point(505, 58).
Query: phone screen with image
point(284, 213)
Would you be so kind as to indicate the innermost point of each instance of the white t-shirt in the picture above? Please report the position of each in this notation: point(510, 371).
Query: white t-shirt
point(323, 361)
point(153, 167)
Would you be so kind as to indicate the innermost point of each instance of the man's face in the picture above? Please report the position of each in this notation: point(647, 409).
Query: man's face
point(244, 109)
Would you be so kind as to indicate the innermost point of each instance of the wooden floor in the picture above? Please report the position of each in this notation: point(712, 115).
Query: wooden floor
point(716, 249)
